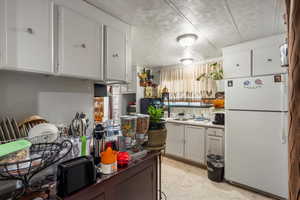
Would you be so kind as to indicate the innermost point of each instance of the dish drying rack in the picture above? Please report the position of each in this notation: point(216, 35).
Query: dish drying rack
point(42, 155)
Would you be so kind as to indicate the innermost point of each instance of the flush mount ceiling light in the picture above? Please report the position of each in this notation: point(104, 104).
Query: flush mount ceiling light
point(187, 61)
point(187, 39)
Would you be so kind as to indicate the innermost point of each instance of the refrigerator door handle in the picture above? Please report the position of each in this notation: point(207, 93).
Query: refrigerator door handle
point(284, 128)
point(283, 137)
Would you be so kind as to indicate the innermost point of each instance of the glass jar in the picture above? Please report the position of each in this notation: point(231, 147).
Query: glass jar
point(142, 123)
point(128, 125)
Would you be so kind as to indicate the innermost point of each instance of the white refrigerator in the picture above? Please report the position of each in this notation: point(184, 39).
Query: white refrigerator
point(256, 151)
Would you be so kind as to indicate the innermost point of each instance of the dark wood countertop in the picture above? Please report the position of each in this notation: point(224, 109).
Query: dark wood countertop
point(122, 184)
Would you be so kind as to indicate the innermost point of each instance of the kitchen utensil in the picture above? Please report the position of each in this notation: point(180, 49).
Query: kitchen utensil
point(5, 131)
point(10, 129)
point(35, 119)
point(83, 145)
point(123, 159)
point(16, 128)
point(98, 134)
point(142, 123)
point(29, 123)
point(41, 156)
point(13, 147)
point(79, 125)
point(108, 161)
point(128, 125)
point(2, 136)
point(43, 133)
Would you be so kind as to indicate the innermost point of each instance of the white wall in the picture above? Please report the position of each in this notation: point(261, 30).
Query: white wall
point(56, 99)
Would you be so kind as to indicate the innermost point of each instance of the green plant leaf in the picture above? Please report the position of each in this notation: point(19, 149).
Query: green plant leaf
point(155, 114)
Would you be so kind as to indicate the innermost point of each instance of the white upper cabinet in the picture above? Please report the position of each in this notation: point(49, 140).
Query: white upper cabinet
point(115, 54)
point(195, 144)
point(79, 45)
point(64, 38)
point(237, 64)
point(266, 60)
point(255, 58)
point(26, 35)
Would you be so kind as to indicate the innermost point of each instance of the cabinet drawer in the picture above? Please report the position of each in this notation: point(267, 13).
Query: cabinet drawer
point(215, 132)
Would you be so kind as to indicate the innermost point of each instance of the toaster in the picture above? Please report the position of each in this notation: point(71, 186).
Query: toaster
point(75, 174)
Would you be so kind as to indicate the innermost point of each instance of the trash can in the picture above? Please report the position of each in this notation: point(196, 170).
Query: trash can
point(215, 167)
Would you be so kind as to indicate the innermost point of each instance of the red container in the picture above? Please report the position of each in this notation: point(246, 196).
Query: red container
point(123, 159)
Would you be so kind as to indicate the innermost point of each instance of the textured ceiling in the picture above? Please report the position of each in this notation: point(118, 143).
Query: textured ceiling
point(218, 23)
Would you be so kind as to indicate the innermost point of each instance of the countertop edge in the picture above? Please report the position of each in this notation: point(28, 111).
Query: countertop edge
point(209, 125)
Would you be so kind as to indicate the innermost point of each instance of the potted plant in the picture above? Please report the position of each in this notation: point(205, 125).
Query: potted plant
point(216, 75)
point(157, 133)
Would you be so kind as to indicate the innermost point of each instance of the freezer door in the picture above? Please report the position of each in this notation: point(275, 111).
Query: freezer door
point(256, 150)
point(257, 93)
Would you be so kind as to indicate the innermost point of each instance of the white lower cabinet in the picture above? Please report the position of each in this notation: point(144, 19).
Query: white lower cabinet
point(195, 143)
point(175, 139)
point(215, 141)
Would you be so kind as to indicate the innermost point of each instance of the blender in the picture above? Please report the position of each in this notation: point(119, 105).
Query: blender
point(128, 128)
point(141, 129)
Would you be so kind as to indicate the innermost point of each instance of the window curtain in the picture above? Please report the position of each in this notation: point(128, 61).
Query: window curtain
point(293, 23)
point(181, 82)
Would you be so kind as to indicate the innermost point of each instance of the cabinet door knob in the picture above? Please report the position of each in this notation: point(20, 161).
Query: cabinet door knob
point(115, 55)
point(237, 65)
point(83, 45)
point(269, 59)
point(29, 30)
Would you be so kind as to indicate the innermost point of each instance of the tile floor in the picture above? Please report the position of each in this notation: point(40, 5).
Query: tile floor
point(185, 182)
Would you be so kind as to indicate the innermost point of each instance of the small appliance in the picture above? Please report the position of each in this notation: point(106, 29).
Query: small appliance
point(219, 118)
point(75, 174)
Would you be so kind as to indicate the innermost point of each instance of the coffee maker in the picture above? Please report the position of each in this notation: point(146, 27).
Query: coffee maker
point(219, 118)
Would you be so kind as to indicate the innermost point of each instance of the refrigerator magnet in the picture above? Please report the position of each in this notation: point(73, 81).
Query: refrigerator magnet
point(277, 78)
point(230, 83)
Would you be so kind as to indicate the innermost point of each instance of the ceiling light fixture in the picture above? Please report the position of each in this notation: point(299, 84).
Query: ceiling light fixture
point(187, 39)
point(187, 61)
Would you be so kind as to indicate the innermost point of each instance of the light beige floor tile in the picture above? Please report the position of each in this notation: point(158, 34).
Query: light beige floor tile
point(181, 181)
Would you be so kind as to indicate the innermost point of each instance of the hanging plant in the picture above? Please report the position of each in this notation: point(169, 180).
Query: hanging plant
point(216, 74)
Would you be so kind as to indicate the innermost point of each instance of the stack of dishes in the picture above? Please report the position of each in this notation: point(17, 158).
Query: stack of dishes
point(9, 130)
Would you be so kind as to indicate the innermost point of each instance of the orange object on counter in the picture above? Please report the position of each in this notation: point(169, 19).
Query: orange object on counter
point(109, 156)
point(218, 103)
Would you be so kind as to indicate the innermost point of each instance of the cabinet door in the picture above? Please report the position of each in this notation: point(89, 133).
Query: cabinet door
point(131, 87)
point(115, 55)
point(237, 64)
point(79, 45)
point(195, 143)
point(137, 186)
point(28, 35)
point(266, 60)
point(175, 139)
point(214, 145)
